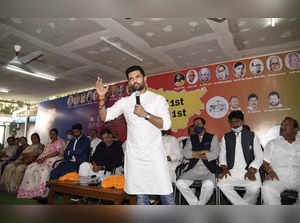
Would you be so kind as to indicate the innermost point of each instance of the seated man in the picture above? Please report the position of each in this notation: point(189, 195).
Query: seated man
point(240, 157)
point(94, 141)
point(76, 152)
point(107, 157)
point(282, 163)
point(21, 146)
point(8, 152)
point(174, 153)
point(202, 150)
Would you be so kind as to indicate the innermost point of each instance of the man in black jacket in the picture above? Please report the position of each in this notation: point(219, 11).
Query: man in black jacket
point(240, 158)
point(107, 159)
point(202, 150)
point(76, 152)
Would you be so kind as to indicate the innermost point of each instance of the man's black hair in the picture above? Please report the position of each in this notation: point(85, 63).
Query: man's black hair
point(134, 68)
point(236, 114)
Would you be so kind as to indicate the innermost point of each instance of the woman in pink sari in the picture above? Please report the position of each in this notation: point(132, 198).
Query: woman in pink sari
point(37, 173)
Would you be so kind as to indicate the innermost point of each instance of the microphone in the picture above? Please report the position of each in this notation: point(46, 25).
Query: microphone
point(137, 96)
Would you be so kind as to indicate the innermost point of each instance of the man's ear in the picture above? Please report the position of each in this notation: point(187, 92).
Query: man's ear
point(145, 78)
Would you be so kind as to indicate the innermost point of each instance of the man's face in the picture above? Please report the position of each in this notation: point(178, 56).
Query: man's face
point(275, 64)
point(136, 80)
point(107, 138)
point(252, 102)
point(274, 100)
point(11, 142)
point(234, 103)
point(191, 77)
point(235, 123)
point(222, 72)
point(287, 128)
point(76, 132)
point(257, 68)
point(22, 142)
point(93, 133)
point(205, 76)
point(239, 70)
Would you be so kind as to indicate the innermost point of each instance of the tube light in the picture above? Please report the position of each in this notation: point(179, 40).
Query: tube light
point(121, 49)
point(40, 75)
point(4, 90)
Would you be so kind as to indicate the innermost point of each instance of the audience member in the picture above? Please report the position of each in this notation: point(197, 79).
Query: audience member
point(240, 157)
point(173, 152)
point(8, 152)
point(37, 173)
point(202, 150)
point(94, 141)
point(76, 152)
point(14, 171)
point(107, 158)
point(282, 163)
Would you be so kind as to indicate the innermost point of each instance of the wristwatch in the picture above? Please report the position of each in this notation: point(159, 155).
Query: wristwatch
point(147, 116)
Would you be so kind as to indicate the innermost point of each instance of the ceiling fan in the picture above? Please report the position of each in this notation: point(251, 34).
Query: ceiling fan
point(18, 64)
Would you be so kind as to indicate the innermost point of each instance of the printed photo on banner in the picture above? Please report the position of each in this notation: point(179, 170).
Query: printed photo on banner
point(239, 69)
point(76, 99)
point(82, 98)
point(292, 61)
point(204, 74)
point(234, 103)
point(192, 76)
point(274, 63)
point(70, 101)
point(95, 96)
point(89, 97)
point(252, 102)
point(256, 66)
point(222, 72)
point(274, 100)
point(121, 90)
point(179, 79)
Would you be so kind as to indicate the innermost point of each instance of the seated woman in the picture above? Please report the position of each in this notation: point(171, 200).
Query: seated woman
point(107, 158)
point(37, 173)
point(14, 171)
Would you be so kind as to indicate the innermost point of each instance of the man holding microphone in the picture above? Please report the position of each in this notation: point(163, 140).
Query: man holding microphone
point(146, 114)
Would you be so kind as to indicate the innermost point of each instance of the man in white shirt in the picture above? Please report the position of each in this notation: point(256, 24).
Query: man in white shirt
point(282, 163)
point(94, 140)
point(240, 157)
point(173, 152)
point(146, 114)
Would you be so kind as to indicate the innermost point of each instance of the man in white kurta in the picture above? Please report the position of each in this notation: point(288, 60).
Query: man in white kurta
point(282, 163)
point(145, 163)
point(174, 154)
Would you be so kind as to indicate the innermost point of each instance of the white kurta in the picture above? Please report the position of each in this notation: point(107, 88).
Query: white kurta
point(145, 163)
point(94, 144)
point(173, 150)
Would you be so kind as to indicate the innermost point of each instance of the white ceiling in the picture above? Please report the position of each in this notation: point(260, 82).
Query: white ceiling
point(74, 53)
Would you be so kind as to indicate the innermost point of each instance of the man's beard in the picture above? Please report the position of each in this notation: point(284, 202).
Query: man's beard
point(132, 88)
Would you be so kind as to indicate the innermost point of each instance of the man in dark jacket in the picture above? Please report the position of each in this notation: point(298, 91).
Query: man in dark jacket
point(107, 159)
point(240, 158)
point(202, 150)
point(76, 152)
